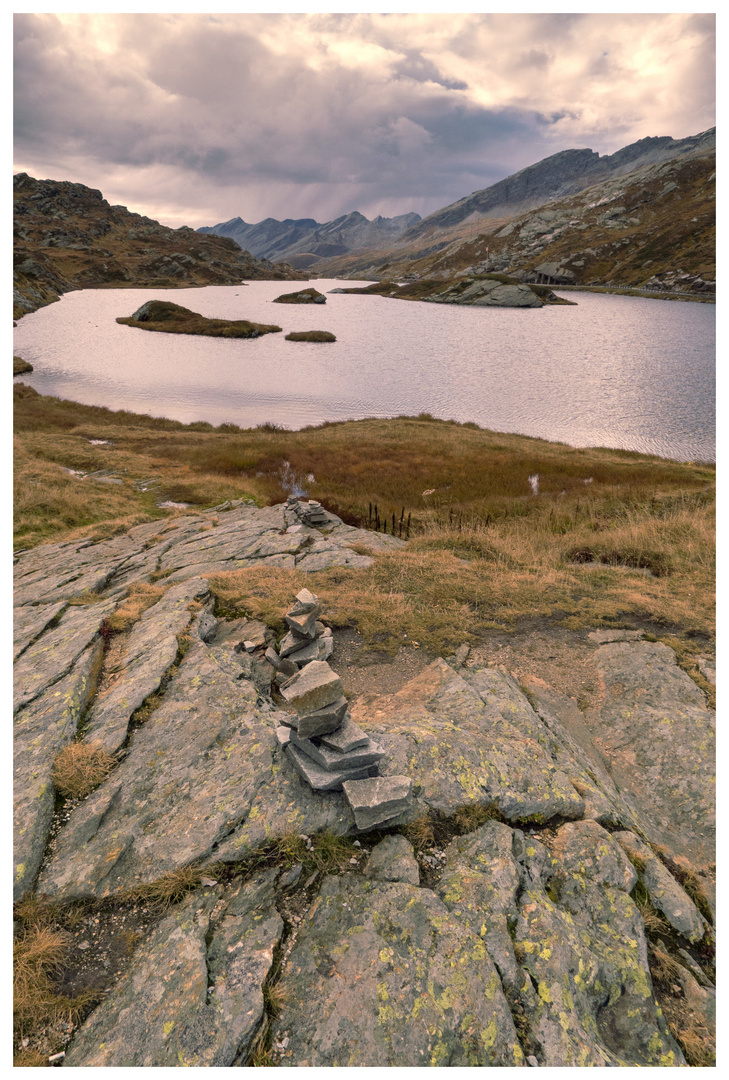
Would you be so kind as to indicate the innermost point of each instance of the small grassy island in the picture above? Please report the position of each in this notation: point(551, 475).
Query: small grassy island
point(168, 318)
point(311, 335)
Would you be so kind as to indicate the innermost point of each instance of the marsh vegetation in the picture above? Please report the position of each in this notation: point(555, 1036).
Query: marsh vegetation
point(612, 537)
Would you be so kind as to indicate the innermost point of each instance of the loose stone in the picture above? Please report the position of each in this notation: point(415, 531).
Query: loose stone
point(376, 800)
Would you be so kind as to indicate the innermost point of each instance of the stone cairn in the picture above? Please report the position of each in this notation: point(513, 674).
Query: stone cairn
point(328, 750)
point(312, 513)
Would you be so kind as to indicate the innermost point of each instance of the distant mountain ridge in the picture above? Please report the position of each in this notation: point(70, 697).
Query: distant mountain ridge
point(304, 241)
point(557, 176)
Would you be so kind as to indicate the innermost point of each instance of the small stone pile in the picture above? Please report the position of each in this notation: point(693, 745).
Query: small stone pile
point(310, 513)
point(328, 750)
point(306, 640)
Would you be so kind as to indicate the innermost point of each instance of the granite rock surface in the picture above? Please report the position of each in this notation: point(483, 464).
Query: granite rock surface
point(515, 937)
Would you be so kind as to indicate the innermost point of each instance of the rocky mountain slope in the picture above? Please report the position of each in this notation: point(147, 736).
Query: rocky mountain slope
point(305, 242)
point(650, 227)
point(523, 909)
point(561, 174)
point(67, 236)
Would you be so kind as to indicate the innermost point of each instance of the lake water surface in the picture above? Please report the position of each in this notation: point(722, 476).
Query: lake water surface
point(613, 371)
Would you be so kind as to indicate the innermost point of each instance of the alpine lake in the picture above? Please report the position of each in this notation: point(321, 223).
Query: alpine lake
point(616, 371)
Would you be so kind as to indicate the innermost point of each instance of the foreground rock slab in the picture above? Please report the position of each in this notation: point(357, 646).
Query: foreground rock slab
point(653, 726)
point(567, 940)
point(382, 975)
point(193, 995)
point(64, 594)
point(228, 538)
point(475, 742)
point(189, 777)
point(42, 729)
point(151, 650)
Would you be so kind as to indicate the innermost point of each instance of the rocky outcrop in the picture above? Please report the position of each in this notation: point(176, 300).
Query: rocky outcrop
point(487, 292)
point(67, 236)
point(517, 937)
point(303, 296)
point(477, 290)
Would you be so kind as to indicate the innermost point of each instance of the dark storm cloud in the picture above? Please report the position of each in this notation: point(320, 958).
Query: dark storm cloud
point(196, 118)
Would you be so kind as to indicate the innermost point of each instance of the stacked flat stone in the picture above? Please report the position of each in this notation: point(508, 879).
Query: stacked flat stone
point(325, 746)
point(307, 639)
point(329, 751)
point(311, 513)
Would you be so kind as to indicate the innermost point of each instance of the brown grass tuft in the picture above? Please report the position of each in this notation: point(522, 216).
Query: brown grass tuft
point(420, 832)
point(80, 767)
point(167, 889)
point(468, 818)
point(663, 966)
point(30, 1059)
point(38, 956)
point(686, 1023)
point(274, 997)
point(141, 596)
point(692, 884)
point(33, 912)
point(331, 853)
point(697, 1043)
point(261, 1058)
point(653, 921)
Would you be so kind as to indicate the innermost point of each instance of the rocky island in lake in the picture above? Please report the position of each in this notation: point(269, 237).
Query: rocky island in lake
point(473, 290)
point(303, 296)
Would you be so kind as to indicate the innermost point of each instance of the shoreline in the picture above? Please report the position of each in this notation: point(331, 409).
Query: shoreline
point(191, 426)
point(648, 294)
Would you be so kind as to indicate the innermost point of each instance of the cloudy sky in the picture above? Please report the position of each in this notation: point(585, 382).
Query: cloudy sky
point(194, 119)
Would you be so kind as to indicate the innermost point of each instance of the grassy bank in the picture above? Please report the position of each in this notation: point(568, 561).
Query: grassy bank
point(612, 536)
